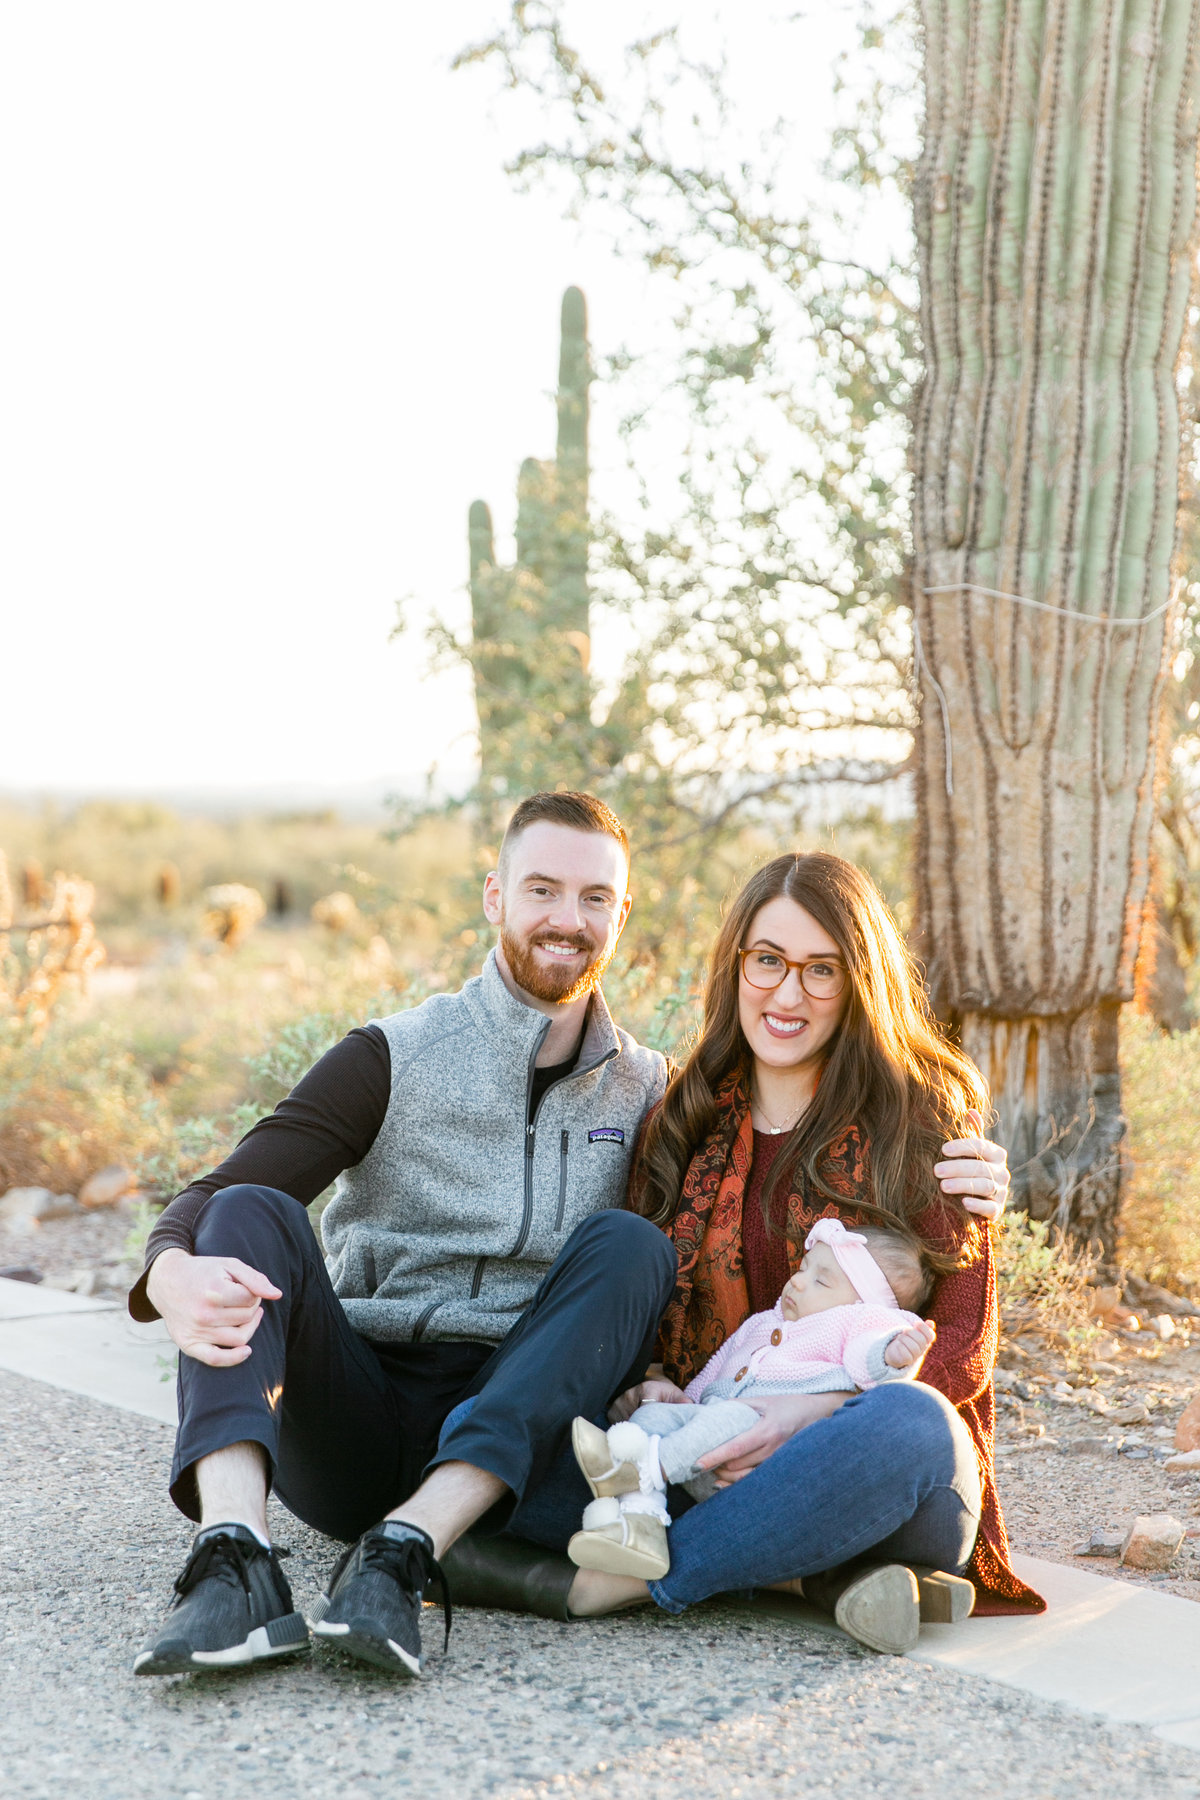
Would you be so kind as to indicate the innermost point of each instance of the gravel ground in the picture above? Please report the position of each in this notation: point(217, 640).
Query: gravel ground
point(715, 1700)
point(1064, 1471)
point(61, 1248)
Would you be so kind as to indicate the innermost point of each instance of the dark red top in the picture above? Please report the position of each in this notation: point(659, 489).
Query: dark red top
point(765, 1253)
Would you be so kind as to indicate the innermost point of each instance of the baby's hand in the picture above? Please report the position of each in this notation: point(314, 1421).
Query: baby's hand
point(910, 1346)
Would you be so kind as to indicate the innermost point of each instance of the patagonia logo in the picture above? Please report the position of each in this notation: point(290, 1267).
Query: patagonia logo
point(606, 1134)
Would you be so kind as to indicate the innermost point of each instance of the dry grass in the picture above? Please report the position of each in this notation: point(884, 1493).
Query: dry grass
point(1045, 1286)
point(1160, 1235)
point(70, 1104)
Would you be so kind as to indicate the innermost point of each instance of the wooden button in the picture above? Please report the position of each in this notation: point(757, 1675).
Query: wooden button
point(777, 1336)
point(740, 1373)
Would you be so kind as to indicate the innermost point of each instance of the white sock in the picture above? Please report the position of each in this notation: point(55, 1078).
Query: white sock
point(253, 1529)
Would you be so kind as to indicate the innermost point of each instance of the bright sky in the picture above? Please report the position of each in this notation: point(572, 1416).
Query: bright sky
point(272, 318)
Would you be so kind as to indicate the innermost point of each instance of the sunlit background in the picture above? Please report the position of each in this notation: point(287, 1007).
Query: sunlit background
point(274, 316)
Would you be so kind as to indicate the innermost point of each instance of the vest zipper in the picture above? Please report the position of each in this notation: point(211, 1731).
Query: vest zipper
point(422, 1322)
point(562, 1180)
point(530, 1144)
point(477, 1278)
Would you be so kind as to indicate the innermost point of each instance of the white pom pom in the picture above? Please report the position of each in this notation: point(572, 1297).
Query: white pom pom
point(606, 1511)
point(627, 1441)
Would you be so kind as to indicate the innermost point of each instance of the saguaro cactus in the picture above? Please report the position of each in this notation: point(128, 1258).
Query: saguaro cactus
point(530, 623)
point(1055, 216)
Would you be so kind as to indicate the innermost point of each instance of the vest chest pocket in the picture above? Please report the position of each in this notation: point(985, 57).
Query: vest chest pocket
point(593, 1168)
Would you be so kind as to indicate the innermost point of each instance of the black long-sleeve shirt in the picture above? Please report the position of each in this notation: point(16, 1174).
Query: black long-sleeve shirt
point(326, 1124)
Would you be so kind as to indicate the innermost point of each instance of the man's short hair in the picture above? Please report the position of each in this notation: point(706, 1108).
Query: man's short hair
point(580, 812)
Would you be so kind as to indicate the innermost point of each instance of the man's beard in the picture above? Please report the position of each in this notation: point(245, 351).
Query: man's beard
point(558, 985)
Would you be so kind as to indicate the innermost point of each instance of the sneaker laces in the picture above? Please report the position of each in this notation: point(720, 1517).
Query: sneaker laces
point(409, 1563)
point(221, 1557)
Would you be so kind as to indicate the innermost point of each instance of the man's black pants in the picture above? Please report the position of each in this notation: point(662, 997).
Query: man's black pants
point(350, 1426)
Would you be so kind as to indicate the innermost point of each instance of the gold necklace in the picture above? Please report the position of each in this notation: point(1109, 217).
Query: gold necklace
point(778, 1130)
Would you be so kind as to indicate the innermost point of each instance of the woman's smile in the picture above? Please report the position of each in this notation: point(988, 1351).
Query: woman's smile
point(778, 1026)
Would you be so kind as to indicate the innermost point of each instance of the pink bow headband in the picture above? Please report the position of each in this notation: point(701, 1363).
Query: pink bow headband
point(856, 1262)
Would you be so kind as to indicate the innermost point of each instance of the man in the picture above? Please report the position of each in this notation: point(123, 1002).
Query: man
point(477, 1252)
point(483, 1142)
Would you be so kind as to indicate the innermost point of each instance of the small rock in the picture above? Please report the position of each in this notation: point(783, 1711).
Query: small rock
point(1104, 1368)
point(1096, 1403)
point(20, 1272)
point(1134, 1412)
point(1004, 1380)
point(1101, 1543)
point(1086, 1446)
point(1135, 1452)
point(20, 1205)
point(1152, 1541)
point(1103, 1300)
point(1164, 1326)
point(1187, 1428)
point(106, 1187)
point(30, 1207)
point(79, 1281)
point(1182, 1459)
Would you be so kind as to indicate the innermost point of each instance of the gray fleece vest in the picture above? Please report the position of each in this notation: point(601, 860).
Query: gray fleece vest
point(450, 1221)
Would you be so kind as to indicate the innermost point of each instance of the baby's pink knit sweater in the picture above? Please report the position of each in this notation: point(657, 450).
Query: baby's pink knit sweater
point(769, 1347)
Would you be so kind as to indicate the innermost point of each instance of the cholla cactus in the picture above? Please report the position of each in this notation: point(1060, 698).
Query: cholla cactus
point(58, 947)
point(233, 912)
point(337, 912)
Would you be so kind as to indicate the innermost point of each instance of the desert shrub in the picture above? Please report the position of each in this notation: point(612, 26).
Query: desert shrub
point(72, 1102)
point(189, 1146)
point(1160, 1223)
point(1044, 1284)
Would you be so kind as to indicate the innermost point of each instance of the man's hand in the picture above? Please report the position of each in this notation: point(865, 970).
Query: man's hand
point(911, 1346)
point(978, 1172)
point(783, 1415)
point(655, 1387)
point(211, 1305)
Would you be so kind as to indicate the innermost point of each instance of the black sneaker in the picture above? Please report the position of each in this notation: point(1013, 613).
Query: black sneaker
point(372, 1606)
point(233, 1606)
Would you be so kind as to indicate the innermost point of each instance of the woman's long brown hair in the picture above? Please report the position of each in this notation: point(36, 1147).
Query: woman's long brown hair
point(889, 1069)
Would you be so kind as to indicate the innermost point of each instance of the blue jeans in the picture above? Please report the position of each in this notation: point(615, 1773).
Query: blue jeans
point(892, 1472)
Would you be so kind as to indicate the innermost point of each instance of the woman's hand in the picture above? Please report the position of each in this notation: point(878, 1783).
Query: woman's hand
point(655, 1387)
point(783, 1415)
point(977, 1173)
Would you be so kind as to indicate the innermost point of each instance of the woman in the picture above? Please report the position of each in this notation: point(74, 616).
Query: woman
point(821, 1086)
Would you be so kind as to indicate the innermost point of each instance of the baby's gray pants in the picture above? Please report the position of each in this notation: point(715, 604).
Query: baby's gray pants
point(689, 1431)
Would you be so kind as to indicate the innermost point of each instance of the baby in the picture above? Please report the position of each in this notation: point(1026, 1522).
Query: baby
point(842, 1323)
